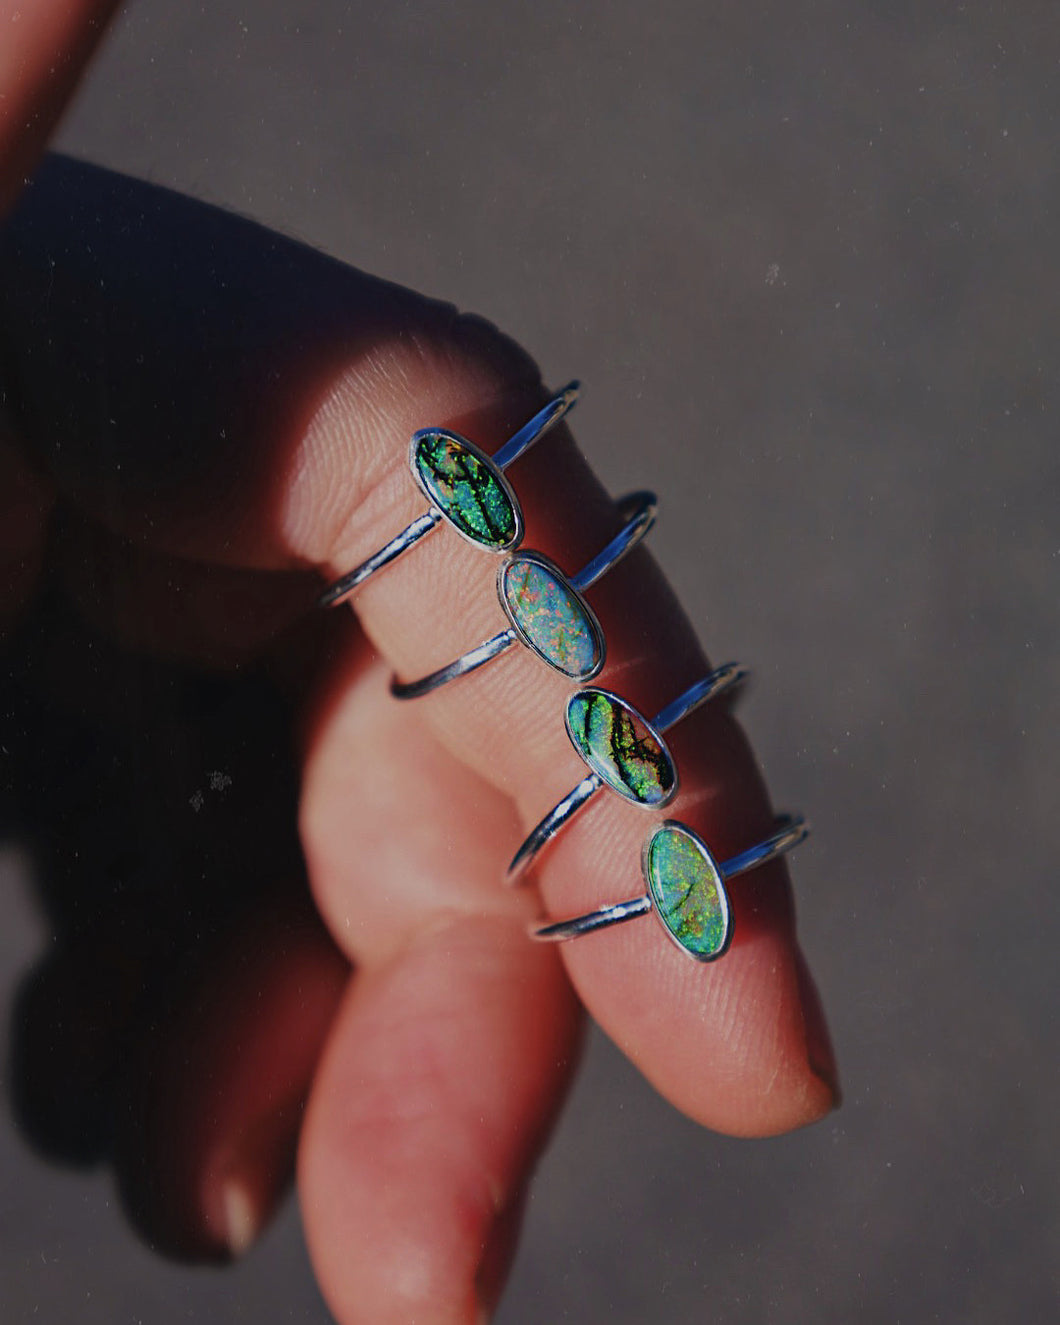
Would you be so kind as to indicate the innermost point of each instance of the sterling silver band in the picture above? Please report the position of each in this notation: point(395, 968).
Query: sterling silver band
point(512, 449)
point(715, 683)
point(791, 832)
point(637, 510)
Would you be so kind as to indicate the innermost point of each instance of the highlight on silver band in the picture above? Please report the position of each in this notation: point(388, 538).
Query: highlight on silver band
point(686, 889)
point(465, 487)
point(546, 609)
point(623, 750)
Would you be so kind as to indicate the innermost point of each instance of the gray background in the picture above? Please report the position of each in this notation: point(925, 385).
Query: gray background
point(803, 256)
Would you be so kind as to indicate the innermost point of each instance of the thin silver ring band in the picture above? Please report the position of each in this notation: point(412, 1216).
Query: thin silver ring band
point(520, 442)
point(723, 678)
point(637, 510)
point(792, 832)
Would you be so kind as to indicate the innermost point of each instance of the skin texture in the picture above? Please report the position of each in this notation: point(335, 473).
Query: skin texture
point(430, 1041)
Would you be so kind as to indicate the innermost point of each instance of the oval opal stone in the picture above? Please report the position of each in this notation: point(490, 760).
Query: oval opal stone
point(466, 489)
point(550, 615)
point(688, 892)
point(614, 740)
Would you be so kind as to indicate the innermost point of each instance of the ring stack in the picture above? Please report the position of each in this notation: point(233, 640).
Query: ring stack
point(463, 486)
point(547, 613)
point(624, 751)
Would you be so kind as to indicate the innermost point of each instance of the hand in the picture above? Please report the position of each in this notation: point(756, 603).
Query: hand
point(201, 414)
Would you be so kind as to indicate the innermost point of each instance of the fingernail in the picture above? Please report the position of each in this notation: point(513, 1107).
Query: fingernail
point(819, 1052)
point(252, 1177)
point(242, 1216)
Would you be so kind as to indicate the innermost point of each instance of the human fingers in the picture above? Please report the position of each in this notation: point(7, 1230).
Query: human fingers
point(199, 1110)
point(443, 1069)
point(323, 376)
point(219, 1099)
point(222, 617)
point(172, 1023)
point(450, 1055)
point(400, 849)
point(43, 49)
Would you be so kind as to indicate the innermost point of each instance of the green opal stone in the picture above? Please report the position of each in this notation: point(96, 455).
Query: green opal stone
point(687, 892)
point(466, 488)
point(551, 617)
point(614, 740)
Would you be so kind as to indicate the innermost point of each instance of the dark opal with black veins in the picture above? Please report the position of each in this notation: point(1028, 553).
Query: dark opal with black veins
point(466, 489)
point(616, 743)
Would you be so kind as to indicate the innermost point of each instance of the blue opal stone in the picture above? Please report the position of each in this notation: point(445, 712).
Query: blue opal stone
point(467, 488)
point(617, 744)
point(688, 892)
point(551, 617)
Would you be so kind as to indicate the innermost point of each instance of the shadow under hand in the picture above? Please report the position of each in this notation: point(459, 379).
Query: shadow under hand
point(173, 1024)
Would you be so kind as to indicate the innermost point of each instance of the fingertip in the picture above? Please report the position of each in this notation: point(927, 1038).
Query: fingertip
point(778, 1084)
point(242, 1216)
point(442, 1074)
point(739, 1045)
point(213, 1149)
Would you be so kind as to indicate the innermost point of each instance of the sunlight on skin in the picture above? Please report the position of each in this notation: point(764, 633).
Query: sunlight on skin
point(455, 1041)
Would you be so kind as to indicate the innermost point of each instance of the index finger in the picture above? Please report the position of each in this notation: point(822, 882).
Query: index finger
point(257, 408)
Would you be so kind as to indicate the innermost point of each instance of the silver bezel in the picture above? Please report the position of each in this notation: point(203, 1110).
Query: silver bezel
point(675, 825)
point(494, 470)
point(653, 731)
point(594, 625)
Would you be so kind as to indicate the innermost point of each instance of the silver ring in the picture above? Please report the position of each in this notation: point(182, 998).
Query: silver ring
point(623, 750)
point(464, 486)
point(546, 610)
point(686, 889)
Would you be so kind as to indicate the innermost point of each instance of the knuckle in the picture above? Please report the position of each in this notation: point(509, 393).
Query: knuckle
point(437, 366)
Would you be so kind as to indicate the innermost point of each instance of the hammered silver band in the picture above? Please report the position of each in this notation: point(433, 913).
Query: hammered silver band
point(715, 683)
point(689, 937)
point(637, 511)
point(517, 445)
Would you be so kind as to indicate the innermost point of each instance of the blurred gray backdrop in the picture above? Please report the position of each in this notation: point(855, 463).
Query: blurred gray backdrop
point(804, 258)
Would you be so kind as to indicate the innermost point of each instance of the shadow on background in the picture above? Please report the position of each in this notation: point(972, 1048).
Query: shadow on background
point(803, 257)
point(158, 806)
